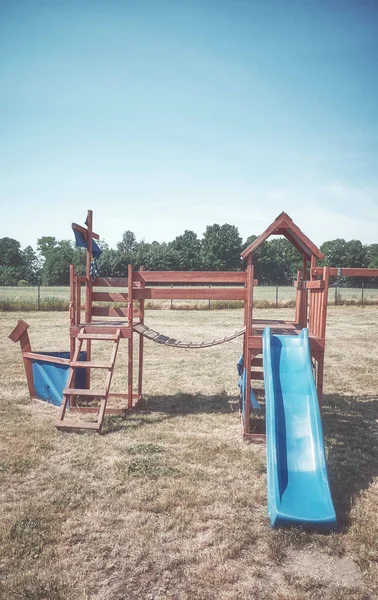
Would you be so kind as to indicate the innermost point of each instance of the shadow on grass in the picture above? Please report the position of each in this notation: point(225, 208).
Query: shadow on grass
point(156, 409)
point(351, 429)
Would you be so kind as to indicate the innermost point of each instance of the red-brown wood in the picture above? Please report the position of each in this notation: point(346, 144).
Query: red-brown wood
point(20, 334)
point(110, 297)
point(141, 344)
point(84, 231)
point(315, 285)
point(111, 282)
point(165, 293)
point(284, 225)
point(130, 343)
point(345, 272)
point(46, 358)
point(113, 311)
point(207, 277)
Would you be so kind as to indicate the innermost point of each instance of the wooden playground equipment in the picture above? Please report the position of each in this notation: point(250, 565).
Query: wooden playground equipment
point(121, 315)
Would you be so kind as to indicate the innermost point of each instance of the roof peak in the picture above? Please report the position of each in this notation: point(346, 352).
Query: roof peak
point(284, 225)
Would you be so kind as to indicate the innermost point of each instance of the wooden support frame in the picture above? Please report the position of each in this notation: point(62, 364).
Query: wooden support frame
point(20, 334)
point(311, 310)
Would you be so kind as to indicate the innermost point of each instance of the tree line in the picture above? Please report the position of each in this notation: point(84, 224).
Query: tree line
point(276, 261)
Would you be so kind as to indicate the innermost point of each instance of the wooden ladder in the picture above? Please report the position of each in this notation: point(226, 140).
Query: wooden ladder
point(71, 391)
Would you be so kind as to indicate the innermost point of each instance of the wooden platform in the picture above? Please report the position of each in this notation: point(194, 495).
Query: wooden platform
point(279, 327)
point(106, 327)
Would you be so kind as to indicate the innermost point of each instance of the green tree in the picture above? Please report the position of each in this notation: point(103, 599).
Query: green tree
point(128, 242)
point(221, 247)
point(45, 244)
point(10, 252)
point(56, 268)
point(188, 250)
point(30, 265)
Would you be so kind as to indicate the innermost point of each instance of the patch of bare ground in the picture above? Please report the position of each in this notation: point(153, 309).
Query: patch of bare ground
point(170, 503)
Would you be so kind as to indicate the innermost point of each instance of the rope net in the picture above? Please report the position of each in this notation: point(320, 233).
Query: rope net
point(159, 338)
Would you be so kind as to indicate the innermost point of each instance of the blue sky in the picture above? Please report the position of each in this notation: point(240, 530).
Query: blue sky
point(169, 115)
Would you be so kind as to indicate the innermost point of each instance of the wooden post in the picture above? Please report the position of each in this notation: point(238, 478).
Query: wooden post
point(20, 334)
point(130, 341)
point(88, 288)
point(313, 265)
point(72, 309)
point(323, 313)
point(248, 315)
point(141, 346)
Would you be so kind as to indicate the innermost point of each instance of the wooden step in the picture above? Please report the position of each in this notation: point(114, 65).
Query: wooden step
point(77, 425)
point(91, 365)
point(79, 392)
point(257, 375)
point(98, 336)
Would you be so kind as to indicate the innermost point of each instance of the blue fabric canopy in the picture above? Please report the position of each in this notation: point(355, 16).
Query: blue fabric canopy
point(80, 242)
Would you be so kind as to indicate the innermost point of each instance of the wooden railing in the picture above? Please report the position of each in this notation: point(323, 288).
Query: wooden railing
point(318, 290)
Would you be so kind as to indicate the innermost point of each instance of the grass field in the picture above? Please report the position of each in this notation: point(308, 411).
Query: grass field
point(170, 503)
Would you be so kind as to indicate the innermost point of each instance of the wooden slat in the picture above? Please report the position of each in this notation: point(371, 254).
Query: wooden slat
point(76, 425)
point(257, 361)
point(46, 358)
point(111, 282)
point(191, 293)
point(90, 364)
point(346, 272)
point(83, 392)
point(257, 375)
point(191, 276)
point(93, 329)
point(315, 285)
point(110, 297)
point(97, 336)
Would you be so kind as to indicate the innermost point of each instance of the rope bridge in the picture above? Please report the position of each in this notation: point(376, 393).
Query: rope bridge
point(159, 338)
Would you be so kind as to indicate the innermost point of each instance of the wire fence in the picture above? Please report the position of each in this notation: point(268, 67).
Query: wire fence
point(57, 298)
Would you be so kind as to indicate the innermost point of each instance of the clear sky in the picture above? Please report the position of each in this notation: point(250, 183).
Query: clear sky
point(166, 115)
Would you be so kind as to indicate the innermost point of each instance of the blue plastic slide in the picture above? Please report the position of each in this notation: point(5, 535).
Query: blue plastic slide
point(298, 490)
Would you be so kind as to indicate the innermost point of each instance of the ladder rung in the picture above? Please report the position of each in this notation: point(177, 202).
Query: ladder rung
point(98, 336)
point(91, 365)
point(79, 392)
point(76, 425)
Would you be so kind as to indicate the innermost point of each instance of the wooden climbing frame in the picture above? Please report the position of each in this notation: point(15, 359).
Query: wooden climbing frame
point(113, 309)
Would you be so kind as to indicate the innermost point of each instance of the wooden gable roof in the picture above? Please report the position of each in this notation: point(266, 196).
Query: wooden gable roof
point(284, 225)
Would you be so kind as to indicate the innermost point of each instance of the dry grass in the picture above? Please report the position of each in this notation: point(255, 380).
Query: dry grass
point(170, 503)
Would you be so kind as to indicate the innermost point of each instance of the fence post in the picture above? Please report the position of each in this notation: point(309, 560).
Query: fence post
point(362, 292)
point(276, 296)
point(336, 296)
point(39, 297)
point(171, 299)
point(209, 298)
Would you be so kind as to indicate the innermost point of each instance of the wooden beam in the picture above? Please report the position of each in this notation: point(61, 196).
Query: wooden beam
point(318, 284)
point(111, 282)
point(346, 272)
point(46, 358)
point(110, 297)
point(165, 293)
point(84, 231)
point(113, 311)
point(191, 276)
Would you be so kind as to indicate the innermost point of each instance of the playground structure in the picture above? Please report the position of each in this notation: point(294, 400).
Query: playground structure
point(287, 357)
